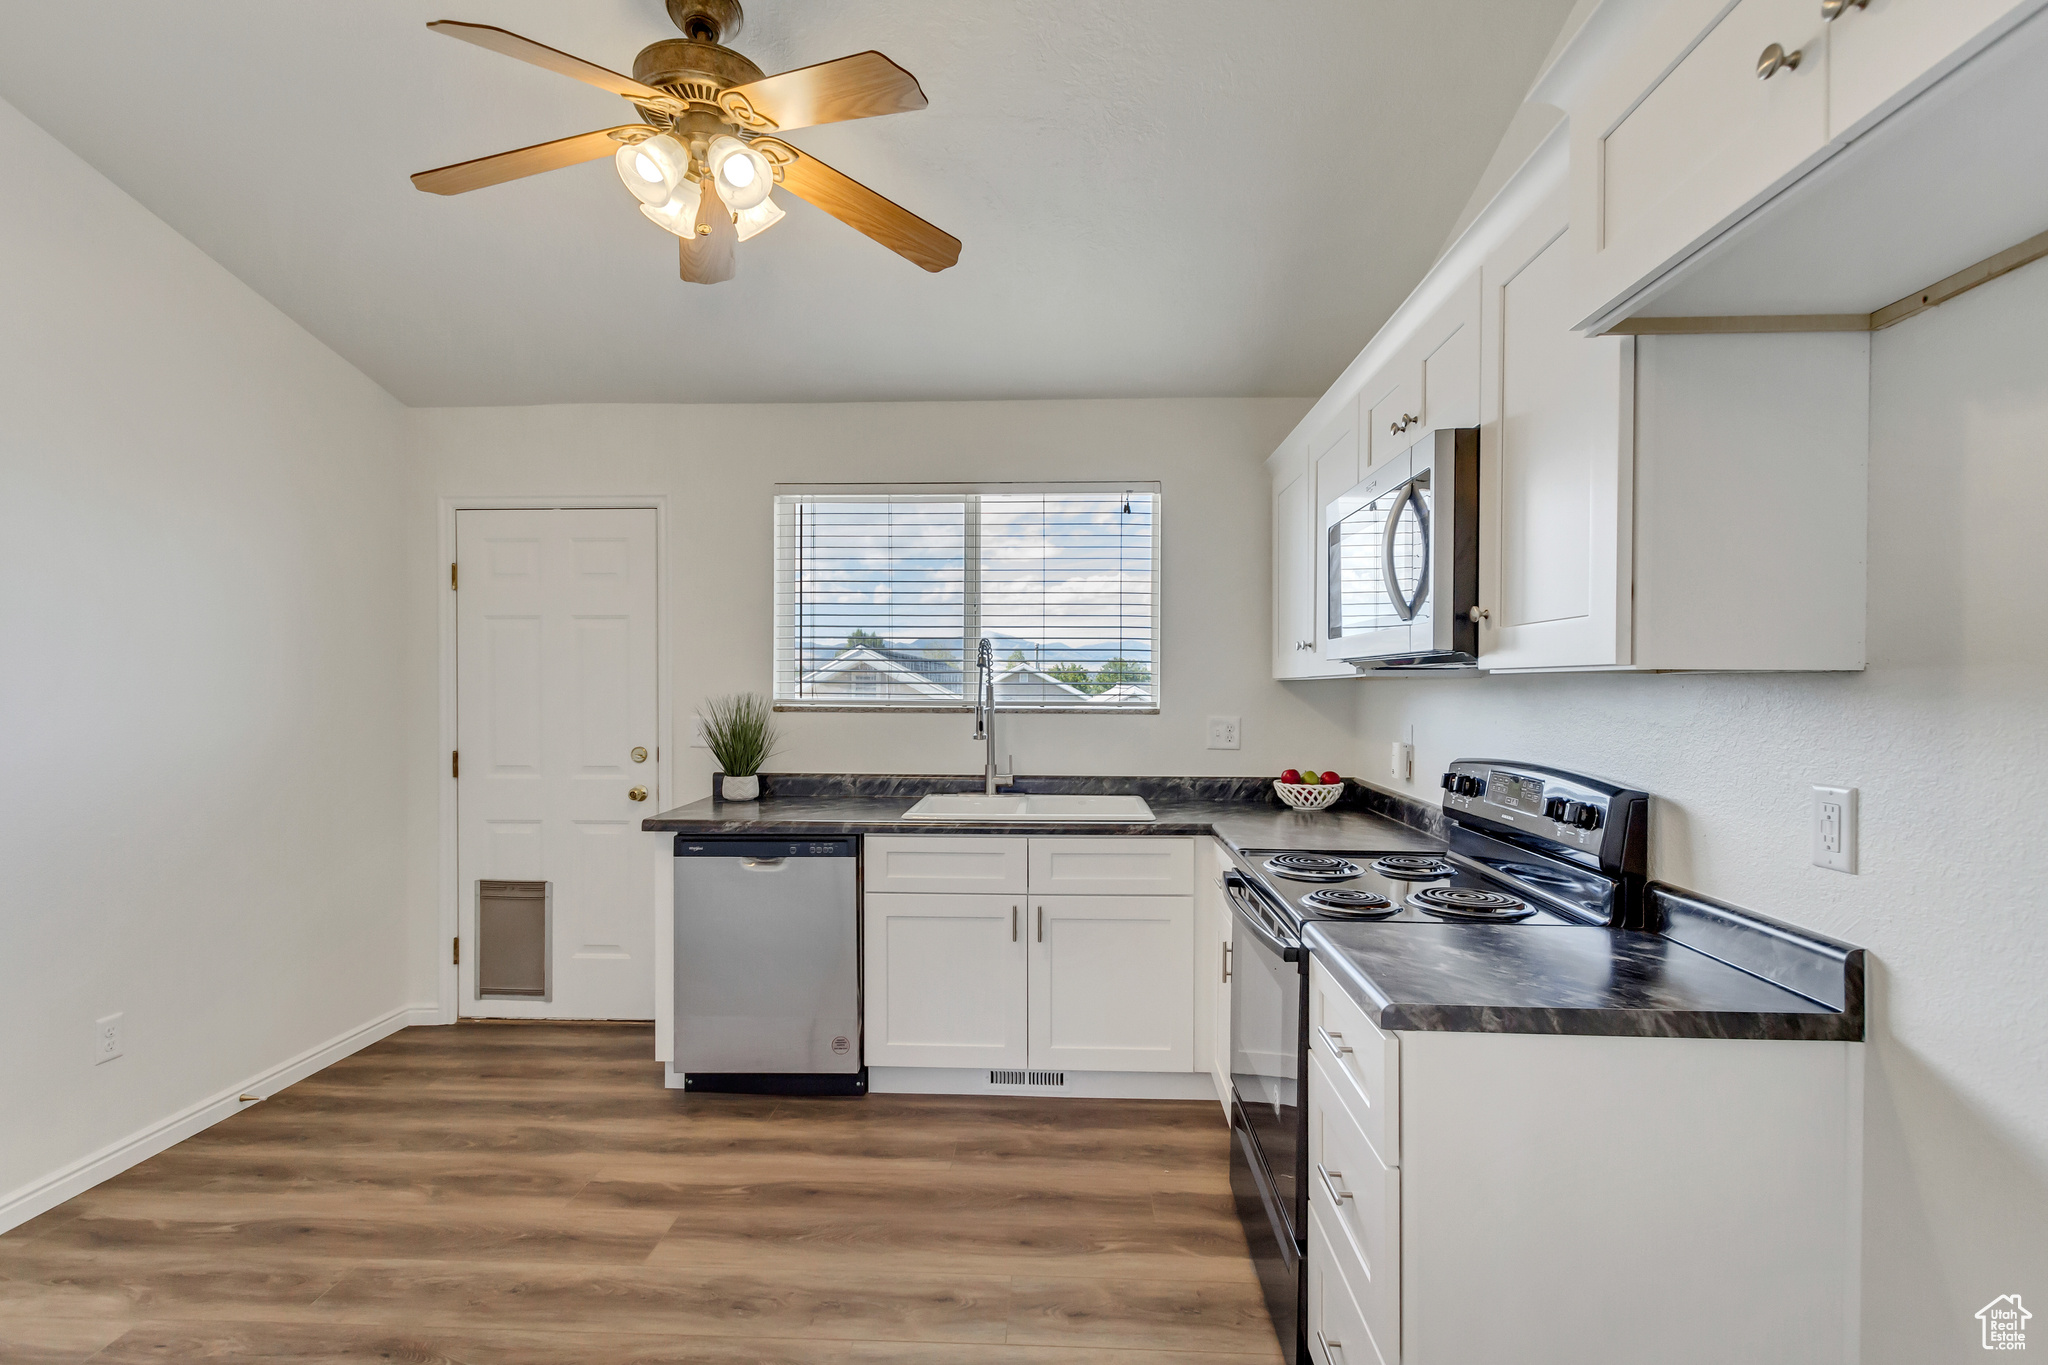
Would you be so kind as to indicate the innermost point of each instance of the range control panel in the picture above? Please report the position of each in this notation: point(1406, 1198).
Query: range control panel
point(1577, 812)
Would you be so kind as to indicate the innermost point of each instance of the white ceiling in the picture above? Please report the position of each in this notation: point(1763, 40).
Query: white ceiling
point(1157, 197)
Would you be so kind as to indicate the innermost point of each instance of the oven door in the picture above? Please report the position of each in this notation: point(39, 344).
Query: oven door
point(1267, 1033)
point(1377, 571)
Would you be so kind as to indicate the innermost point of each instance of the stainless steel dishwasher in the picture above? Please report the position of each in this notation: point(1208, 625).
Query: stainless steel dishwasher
point(767, 966)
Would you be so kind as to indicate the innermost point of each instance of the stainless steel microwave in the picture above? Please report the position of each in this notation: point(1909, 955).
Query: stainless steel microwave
point(1401, 586)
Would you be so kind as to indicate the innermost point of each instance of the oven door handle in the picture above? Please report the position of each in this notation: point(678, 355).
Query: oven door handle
point(1289, 951)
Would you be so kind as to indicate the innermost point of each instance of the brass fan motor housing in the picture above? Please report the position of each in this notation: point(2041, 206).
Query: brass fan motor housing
point(686, 62)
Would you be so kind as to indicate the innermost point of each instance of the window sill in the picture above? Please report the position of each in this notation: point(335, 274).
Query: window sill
point(968, 710)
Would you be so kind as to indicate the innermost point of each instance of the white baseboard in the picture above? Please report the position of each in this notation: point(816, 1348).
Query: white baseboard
point(1094, 1085)
point(39, 1196)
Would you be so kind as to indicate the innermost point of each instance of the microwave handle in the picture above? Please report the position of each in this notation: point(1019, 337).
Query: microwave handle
point(1404, 606)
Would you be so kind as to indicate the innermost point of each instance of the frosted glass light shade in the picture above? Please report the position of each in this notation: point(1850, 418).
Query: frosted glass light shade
point(744, 176)
point(758, 219)
point(653, 169)
point(679, 212)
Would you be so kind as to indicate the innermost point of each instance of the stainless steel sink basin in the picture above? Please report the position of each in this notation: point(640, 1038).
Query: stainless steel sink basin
point(1004, 808)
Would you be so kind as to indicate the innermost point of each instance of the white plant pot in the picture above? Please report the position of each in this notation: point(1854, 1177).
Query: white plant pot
point(741, 788)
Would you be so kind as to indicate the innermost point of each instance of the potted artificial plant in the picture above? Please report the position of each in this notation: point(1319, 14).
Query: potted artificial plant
point(740, 730)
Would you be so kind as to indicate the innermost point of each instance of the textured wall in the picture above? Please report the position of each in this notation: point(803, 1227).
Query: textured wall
point(1946, 735)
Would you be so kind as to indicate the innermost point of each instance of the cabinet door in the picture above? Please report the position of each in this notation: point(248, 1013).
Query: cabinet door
point(1112, 983)
point(1682, 137)
point(1294, 570)
point(1394, 421)
point(1884, 48)
point(944, 980)
point(1556, 464)
point(1212, 967)
point(1450, 362)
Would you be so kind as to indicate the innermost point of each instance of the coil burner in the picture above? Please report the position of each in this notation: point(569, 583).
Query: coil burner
point(1311, 867)
point(1342, 900)
point(1467, 902)
point(1411, 868)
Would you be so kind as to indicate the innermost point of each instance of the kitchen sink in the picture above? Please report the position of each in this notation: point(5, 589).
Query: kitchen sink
point(1004, 808)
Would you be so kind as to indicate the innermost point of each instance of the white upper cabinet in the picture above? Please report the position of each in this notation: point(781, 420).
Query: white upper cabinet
point(1714, 176)
point(1878, 49)
point(1668, 147)
point(1668, 502)
point(1449, 346)
point(1296, 567)
point(1556, 465)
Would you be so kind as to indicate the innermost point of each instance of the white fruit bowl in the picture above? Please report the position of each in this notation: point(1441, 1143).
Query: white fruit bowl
point(1302, 796)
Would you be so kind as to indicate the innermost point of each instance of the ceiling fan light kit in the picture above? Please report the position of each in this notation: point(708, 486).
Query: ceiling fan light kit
point(703, 164)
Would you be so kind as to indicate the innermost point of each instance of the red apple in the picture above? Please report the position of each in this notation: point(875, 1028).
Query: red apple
point(1330, 779)
point(1291, 775)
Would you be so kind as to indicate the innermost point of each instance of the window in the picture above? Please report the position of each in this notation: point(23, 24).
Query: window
point(883, 595)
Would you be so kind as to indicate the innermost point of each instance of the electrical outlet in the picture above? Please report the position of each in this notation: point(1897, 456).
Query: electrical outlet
point(1834, 828)
point(1223, 732)
point(106, 1039)
point(1401, 762)
point(697, 740)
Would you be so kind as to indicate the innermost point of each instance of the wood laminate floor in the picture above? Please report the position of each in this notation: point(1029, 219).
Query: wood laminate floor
point(522, 1194)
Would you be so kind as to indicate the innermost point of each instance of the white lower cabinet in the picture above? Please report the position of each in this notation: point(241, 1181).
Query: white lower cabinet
point(944, 980)
point(1112, 983)
point(1579, 1200)
point(1053, 982)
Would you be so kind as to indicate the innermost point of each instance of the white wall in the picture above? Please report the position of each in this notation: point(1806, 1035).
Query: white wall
point(718, 466)
point(1946, 735)
point(200, 724)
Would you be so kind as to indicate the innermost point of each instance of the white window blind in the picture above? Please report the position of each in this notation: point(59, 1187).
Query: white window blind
point(882, 595)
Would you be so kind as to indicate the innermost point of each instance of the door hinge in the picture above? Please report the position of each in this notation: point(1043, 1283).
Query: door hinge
point(455, 764)
point(451, 578)
point(456, 952)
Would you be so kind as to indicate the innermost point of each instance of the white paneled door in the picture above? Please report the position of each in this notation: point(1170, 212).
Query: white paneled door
point(555, 695)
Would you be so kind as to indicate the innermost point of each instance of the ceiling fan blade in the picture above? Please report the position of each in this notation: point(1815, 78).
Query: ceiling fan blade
point(860, 208)
point(464, 176)
point(540, 54)
point(860, 86)
point(708, 257)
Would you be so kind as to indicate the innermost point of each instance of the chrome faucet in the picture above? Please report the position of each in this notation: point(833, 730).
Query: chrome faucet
point(985, 716)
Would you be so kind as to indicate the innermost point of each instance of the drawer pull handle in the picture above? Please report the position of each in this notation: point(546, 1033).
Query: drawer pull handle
point(1329, 1345)
point(1832, 10)
point(1774, 59)
point(1330, 1179)
point(1335, 1041)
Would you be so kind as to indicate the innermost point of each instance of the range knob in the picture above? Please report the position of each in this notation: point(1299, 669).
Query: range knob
point(1450, 782)
point(1469, 785)
point(1587, 817)
point(1554, 808)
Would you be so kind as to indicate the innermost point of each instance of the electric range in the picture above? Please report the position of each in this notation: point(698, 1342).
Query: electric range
point(1524, 844)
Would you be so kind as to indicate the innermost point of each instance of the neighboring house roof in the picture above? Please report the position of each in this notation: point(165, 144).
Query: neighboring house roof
point(1025, 682)
point(899, 668)
point(1125, 692)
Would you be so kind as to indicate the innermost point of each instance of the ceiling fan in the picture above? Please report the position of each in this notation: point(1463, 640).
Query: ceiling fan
point(703, 161)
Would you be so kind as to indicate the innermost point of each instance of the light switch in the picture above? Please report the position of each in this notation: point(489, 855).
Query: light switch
point(1834, 828)
point(1401, 763)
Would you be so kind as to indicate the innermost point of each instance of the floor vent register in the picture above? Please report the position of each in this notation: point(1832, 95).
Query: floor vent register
point(1027, 1078)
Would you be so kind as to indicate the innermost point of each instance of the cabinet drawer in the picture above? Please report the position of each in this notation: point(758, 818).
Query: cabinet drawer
point(958, 865)
point(1107, 866)
point(1336, 1328)
point(1365, 1061)
point(1359, 1199)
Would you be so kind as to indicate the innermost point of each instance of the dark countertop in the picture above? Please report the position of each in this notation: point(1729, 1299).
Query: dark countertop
point(1506, 978)
point(1239, 824)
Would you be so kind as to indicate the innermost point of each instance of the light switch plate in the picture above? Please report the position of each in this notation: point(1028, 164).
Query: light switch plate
point(1223, 732)
point(1834, 828)
point(106, 1039)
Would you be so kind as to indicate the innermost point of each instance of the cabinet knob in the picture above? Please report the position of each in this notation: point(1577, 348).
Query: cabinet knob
point(1832, 10)
point(1774, 59)
point(1408, 419)
point(1477, 614)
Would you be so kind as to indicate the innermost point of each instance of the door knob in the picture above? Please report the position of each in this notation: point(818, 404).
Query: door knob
point(637, 794)
point(1774, 59)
